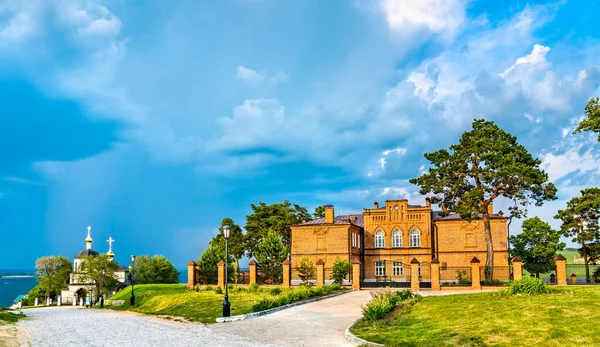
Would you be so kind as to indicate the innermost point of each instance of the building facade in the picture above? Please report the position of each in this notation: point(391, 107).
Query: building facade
point(387, 239)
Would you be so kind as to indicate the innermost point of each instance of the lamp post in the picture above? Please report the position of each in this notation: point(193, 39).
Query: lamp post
point(132, 299)
point(226, 304)
point(102, 297)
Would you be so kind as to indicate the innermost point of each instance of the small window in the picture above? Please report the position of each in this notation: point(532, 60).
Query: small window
point(415, 238)
point(398, 269)
point(379, 239)
point(353, 240)
point(397, 238)
point(380, 268)
point(444, 265)
point(358, 240)
point(419, 269)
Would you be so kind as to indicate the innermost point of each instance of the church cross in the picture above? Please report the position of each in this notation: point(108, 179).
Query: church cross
point(110, 241)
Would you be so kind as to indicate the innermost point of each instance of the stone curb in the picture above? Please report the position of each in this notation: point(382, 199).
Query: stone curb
point(272, 310)
point(357, 341)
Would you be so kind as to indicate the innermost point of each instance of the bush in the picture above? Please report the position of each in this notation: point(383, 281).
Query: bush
point(335, 287)
point(197, 287)
point(218, 290)
point(253, 288)
point(275, 291)
point(383, 303)
point(340, 271)
point(306, 270)
point(208, 288)
point(528, 285)
point(264, 304)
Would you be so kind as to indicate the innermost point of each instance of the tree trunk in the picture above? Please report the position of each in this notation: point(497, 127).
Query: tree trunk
point(585, 260)
point(489, 262)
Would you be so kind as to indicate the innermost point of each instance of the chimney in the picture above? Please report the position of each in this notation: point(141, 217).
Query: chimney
point(375, 205)
point(329, 214)
point(491, 208)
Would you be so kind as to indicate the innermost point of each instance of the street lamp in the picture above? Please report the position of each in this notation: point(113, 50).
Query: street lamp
point(226, 304)
point(102, 297)
point(132, 299)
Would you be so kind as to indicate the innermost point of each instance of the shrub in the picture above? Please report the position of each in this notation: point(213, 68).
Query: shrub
point(306, 270)
point(197, 287)
point(253, 288)
point(241, 289)
point(383, 303)
point(340, 270)
point(208, 288)
point(275, 291)
point(528, 285)
point(335, 287)
point(218, 290)
point(264, 304)
point(282, 300)
point(230, 286)
point(460, 276)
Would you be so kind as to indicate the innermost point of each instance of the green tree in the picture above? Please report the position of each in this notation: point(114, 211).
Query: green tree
point(236, 244)
point(270, 254)
point(536, 245)
point(53, 273)
point(96, 270)
point(341, 269)
point(487, 163)
point(307, 271)
point(277, 218)
point(319, 212)
point(156, 269)
point(591, 121)
point(211, 256)
point(580, 222)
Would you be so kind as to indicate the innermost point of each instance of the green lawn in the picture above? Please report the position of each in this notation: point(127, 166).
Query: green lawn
point(8, 318)
point(203, 306)
point(484, 319)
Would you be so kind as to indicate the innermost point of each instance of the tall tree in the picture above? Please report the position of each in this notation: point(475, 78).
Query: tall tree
point(319, 212)
point(211, 256)
point(580, 222)
point(277, 218)
point(270, 254)
point(487, 163)
point(53, 273)
point(537, 245)
point(591, 122)
point(236, 244)
point(155, 269)
point(98, 270)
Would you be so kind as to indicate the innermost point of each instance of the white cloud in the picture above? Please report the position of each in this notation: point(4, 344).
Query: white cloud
point(536, 60)
point(443, 17)
point(255, 78)
point(21, 181)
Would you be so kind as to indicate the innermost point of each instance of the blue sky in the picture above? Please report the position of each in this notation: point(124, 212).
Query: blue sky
point(153, 120)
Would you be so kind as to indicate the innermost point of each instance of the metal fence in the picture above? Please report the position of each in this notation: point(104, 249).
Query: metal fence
point(270, 274)
point(580, 271)
point(207, 276)
point(499, 274)
point(455, 275)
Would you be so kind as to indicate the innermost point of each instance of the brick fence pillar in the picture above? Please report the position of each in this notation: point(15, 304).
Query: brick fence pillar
point(475, 274)
point(252, 268)
point(191, 279)
point(573, 278)
point(435, 274)
point(286, 274)
point(320, 272)
point(517, 268)
point(561, 270)
point(414, 275)
point(221, 274)
point(356, 274)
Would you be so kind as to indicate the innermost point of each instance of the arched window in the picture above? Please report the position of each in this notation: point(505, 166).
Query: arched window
point(397, 238)
point(415, 238)
point(379, 239)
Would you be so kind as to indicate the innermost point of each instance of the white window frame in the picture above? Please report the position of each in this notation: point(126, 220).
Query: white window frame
point(398, 268)
point(397, 238)
point(379, 239)
point(415, 238)
point(380, 268)
point(353, 240)
point(358, 237)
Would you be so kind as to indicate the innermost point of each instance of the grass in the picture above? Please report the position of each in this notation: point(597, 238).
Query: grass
point(566, 318)
point(203, 306)
point(9, 318)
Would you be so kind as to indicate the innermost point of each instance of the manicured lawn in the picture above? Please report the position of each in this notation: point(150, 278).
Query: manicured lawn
point(8, 318)
point(203, 306)
point(569, 318)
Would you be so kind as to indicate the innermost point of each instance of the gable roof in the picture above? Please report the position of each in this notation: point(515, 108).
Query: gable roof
point(436, 216)
point(341, 219)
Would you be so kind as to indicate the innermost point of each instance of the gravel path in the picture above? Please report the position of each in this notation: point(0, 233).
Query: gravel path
point(68, 326)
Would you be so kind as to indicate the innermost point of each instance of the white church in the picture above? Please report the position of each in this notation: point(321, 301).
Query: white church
point(80, 287)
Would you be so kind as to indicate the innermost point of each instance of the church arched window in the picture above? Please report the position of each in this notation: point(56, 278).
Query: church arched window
point(397, 238)
point(379, 239)
point(415, 238)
